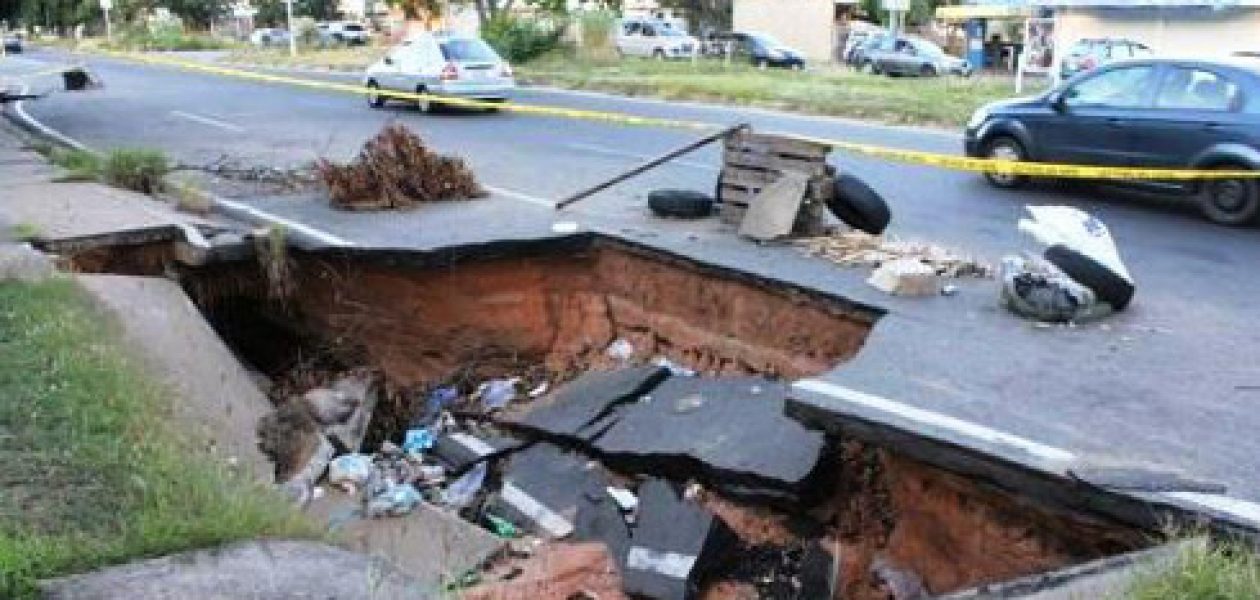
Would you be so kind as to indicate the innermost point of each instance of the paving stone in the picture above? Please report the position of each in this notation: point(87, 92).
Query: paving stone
point(729, 432)
point(579, 408)
point(675, 544)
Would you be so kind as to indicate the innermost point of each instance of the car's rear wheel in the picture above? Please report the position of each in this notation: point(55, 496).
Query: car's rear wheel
point(374, 99)
point(1230, 201)
point(762, 64)
point(658, 54)
point(927, 71)
point(869, 67)
point(1005, 148)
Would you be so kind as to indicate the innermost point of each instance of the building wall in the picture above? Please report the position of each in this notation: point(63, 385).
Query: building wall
point(1169, 31)
point(807, 25)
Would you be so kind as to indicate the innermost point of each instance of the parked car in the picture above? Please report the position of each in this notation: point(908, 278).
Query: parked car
point(1091, 53)
point(912, 56)
point(444, 64)
point(343, 32)
point(655, 38)
point(1202, 114)
point(867, 43)
point(269, 36)
point(13, 42)
point(761, 50)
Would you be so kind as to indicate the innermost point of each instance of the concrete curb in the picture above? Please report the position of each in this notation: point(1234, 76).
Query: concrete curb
point(302, 236)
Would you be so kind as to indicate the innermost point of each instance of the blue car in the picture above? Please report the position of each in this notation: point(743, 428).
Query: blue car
point(1162, 113)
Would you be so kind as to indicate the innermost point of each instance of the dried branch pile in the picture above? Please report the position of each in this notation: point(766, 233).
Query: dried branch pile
point(396, 170)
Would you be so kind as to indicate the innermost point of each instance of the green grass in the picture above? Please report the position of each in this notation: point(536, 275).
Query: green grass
point(349, 58)
point(92, 472)
point(136, 169)
point(79, 165)
point(24, 231)
point(1228, 571)
point(943, 101)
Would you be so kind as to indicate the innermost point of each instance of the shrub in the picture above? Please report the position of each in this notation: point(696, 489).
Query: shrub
point(135, 169)
point(520, 40)
point(595, 34)
point(80, 165)
point(396, 170)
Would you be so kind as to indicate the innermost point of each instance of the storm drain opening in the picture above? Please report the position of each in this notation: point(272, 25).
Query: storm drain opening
point(587, 390)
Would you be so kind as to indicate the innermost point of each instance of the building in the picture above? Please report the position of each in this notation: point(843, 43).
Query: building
point(815, 27)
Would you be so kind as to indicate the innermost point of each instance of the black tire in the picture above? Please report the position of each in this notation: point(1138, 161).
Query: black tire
point(375, 100)
point(658, 54)
point(927, 71)
point(425, 106)
point(1005, 146)
point(859, 206)
point(1107, 285)
point(682, 204)
point(1230, 201)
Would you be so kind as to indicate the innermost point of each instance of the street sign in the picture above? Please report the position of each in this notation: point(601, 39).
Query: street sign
point(896, 5)
point(107, 4)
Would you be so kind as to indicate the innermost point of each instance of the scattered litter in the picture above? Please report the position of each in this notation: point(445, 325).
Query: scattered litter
point(675, 369)
point(621, 350)
point(497, 393)
point(906, 277)
point(858, 249)
point(625, 499)
point(539, 390)
point(393, 500)
point(463, 491)
point(432, 474)
point(438, 400)
point(351, 470)
point(502, 527)
point(418, 440)
point(1036, 289)
point(564, 227)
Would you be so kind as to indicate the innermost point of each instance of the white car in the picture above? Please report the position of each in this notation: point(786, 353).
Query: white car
point(339, 32)
point(269, 36)
point(443, 64)
point(655, 38)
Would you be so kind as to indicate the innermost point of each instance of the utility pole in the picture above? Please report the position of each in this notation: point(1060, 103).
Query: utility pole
point(106, 5)
point(288, 9)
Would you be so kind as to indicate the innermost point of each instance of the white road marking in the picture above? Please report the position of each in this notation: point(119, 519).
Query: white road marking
point(934, 419)
point(20, 108)
point(323, 236)
point(1249, 511)
point(595, 149)
point(208, 121)
point(519, 196)
point(555, 525)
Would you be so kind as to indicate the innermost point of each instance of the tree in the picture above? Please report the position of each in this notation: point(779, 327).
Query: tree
point(272, 12)
point(197, 13)
point(418, 9)
point(701, 14)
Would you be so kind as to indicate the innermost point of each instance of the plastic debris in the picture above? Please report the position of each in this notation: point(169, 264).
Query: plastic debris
point(1034, 288)
point(498, 393)
point(675, 369)
point(395, 500)
point(539, 390)
point(438, 400)
point(906, 277)
point(463, 491)
point(620, 349)
point(351, 470)
point(624, 498)
point(431, 474)
point(502, 527)
point(418, 440)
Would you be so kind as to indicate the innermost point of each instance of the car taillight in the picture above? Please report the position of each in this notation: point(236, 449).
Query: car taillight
point(449, 73)
point(506, 71)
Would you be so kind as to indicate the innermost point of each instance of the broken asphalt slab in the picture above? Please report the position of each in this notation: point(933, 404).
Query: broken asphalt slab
point(268, 569)
point(675, 544)
point(554, 480)
point(578, 410)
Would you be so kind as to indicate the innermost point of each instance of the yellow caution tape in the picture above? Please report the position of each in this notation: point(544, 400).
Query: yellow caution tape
point(945, 161)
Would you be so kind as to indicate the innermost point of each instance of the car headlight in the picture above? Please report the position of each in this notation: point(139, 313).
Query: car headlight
point(978, 118)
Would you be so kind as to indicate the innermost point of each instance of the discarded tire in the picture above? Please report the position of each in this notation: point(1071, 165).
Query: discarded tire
point(859, 206)
point(683, 204)
point(75, 80)
point(1108, 286)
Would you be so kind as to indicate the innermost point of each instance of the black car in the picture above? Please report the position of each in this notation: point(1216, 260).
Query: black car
point(1166, 113)
point(12, 42)
point(762, 50)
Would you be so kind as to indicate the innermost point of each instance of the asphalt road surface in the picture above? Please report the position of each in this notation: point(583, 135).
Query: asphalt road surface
point(1174, 380)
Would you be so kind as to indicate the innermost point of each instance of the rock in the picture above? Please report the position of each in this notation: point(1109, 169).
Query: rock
point(265, 569)
point(583, 570)
point(330, 407)
point(21, 262)
point(674, 546)
point(301, 485)
point(901, 584)
point(906, 277)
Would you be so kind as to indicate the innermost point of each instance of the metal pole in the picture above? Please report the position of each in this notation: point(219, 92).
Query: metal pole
point(288, 9)
point(109, 28)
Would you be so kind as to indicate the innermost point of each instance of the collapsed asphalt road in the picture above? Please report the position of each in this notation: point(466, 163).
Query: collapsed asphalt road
point(1171, 381)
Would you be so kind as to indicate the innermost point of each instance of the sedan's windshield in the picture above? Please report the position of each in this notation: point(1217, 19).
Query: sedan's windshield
point(468, 50)
point(928, 49)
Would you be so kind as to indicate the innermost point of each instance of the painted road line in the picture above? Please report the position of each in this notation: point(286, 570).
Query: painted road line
point(934, 419)
point(1248, 511)
point(596, 149)
point(20, 109)
point(519, 196)
point(208, 121)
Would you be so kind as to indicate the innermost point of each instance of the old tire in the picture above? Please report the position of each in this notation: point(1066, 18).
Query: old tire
point(859, 206)
point(682, 204)
point(1107, 285)
point(375, 100)
point(1230, 201)
point(1005, 147)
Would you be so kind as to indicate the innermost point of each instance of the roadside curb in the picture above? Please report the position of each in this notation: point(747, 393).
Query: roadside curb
point(302, 236)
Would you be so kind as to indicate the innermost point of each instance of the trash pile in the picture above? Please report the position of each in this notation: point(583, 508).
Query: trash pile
point(396, 170)
point(1078, 278)
point(858, 249)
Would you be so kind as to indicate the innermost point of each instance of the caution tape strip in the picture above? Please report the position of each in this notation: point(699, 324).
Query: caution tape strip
point(932, 159)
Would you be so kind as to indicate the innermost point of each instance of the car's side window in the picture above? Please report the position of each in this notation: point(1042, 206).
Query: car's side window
point(649, 31)
point(632, 28)
point(1196, 89)
point(1127, 87)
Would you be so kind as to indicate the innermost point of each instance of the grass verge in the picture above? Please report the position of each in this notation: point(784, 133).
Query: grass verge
point(940, 101)
point(91, 470)
point(1216, 571)
point(135, 169)
point(350, 58)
